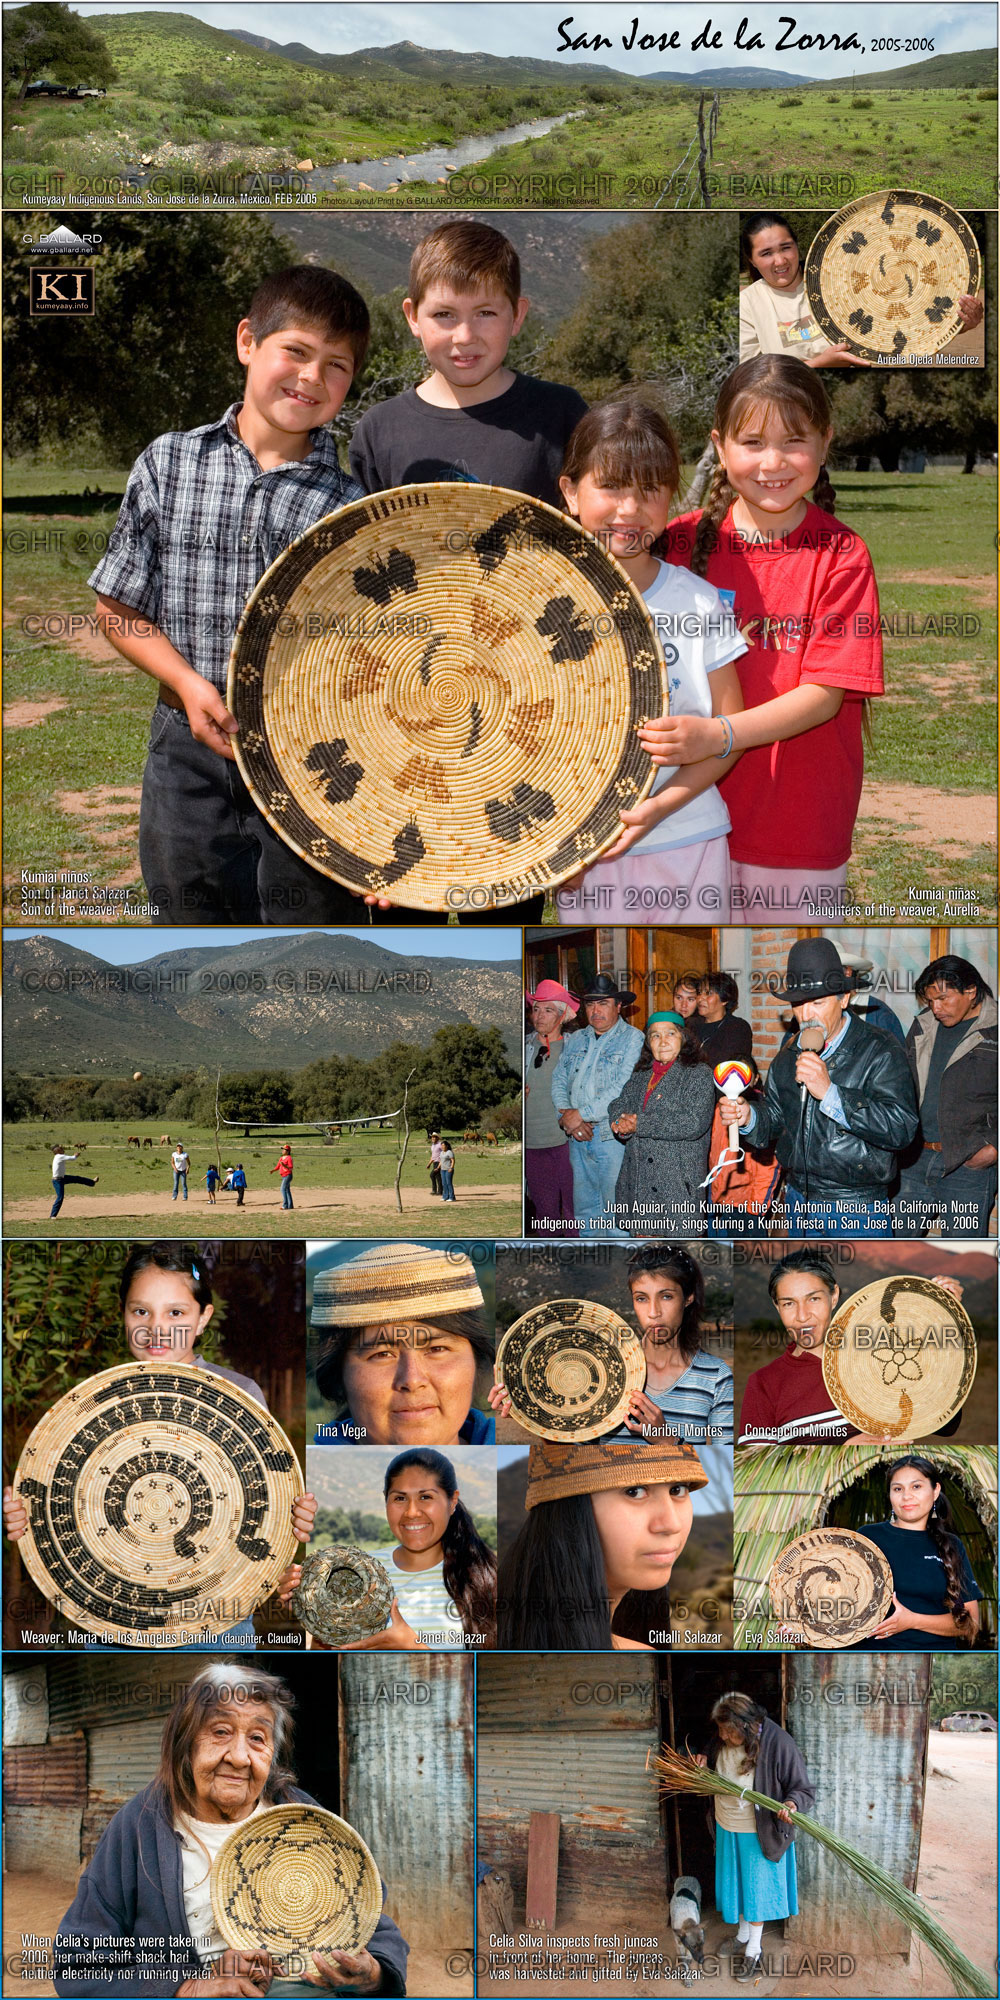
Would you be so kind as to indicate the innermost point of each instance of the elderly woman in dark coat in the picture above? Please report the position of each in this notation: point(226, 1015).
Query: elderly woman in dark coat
point(664, 1119)
point(755, 1880)
point(142, 1921)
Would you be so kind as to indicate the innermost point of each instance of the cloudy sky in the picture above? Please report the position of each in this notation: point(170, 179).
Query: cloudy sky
point(532, 29)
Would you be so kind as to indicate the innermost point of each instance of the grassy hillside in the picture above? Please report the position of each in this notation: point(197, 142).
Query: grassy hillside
point(967, 69)
point(184, 84)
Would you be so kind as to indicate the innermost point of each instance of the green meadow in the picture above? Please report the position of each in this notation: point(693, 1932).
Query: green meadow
point(770, 145)
point(345, 1188)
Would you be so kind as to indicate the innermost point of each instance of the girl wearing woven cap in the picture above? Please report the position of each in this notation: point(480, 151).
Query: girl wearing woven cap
point(142, 1919)
point(620, 481)
point(590, 1569)
point(663, 1117)
point(166, 1298)
point(755, 1878)
point(548, 1170)
point(406, 1350)
point(444, 1575)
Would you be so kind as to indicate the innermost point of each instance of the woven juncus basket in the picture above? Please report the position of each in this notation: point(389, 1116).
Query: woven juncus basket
point(158, 1498)
point(885, 274)
point(438, 691)
point(570, 1368)
point(343, 1595)
point(899, 1358)
point(295, 1879)
point(832, 1583)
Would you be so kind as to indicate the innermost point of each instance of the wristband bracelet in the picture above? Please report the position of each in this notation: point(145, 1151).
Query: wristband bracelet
point(728, 727)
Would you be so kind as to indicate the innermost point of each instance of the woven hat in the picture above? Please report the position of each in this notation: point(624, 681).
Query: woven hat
point(295, 1879)
point(395, 1281)
point(899, 1357)
point(343, 1595)
point(885, 274)
point(558, 1471)
point(570, 1368)
point(438, 691)
point(157, 1499)
point(832, 1583)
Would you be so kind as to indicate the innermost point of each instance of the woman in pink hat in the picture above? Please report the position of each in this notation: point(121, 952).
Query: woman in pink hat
point(547, 1170)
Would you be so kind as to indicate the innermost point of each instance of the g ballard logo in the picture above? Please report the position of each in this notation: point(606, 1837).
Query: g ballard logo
point(64, 242)
point(60, 292)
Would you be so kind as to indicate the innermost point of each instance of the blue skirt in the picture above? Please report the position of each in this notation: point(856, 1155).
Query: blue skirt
point(747, 1884)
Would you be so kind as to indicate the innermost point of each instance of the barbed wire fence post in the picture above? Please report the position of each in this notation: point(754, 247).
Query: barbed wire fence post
point(693, 189)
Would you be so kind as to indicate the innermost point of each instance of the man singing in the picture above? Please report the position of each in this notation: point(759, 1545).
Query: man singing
point(839, 1104)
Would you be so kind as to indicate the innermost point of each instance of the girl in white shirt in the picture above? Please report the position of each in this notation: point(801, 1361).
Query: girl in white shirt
point(620, 481)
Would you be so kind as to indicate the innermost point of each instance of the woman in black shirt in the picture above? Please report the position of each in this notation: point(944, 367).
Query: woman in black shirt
point(935, 1594)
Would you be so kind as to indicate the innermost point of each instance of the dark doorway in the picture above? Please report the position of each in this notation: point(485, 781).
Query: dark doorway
point(316, 1748)
point(688, 1691)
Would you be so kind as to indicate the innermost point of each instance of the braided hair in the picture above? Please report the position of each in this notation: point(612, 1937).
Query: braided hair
point(469, 1568)
point(940, 1527)
point(796, 392)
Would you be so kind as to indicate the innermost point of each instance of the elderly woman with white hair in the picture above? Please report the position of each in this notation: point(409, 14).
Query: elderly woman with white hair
point(548, 1169)
point(142, 1920)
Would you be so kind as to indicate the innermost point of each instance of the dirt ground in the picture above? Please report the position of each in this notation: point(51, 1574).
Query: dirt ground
point(38, 1902)
point(352, 1204)
point(943, 823)
point(956, 1879)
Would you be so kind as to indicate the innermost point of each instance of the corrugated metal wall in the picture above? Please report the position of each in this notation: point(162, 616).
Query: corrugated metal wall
point(123, 1690)
point(569, 1733)
point(25, 1705)
point(44, 1840)
point(46, 1774)
point(406, 1762)
point(861, 1725)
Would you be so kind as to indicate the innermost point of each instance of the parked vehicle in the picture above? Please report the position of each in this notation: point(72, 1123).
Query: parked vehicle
point(970, 1719)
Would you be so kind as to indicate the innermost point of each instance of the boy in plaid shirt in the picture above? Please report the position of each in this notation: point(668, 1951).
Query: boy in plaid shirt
point(204, 515)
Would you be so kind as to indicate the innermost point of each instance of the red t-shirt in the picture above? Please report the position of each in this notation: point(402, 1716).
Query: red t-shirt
point(807, 606)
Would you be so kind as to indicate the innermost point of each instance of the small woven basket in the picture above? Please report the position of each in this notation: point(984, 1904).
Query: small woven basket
point(570, 1368)
point(343, 1595)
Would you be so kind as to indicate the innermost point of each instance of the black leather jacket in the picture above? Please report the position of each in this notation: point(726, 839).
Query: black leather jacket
point(821, 1158)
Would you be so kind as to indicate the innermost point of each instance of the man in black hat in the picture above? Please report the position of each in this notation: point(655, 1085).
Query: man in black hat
point(837, 1110)
point(593, 1069)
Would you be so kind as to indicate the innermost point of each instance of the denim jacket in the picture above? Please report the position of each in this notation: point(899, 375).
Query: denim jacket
point(618, 1053)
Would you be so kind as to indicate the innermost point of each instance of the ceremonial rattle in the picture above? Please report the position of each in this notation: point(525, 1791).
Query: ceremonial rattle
point(732, 1079)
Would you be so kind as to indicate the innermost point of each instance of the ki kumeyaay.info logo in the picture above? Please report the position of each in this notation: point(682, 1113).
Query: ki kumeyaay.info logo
point(61, 291)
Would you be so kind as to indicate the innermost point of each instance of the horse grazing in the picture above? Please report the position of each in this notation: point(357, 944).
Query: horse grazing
point(134, 1140)
point(147, 1142)
point(491, 1138)
point(165, 1139)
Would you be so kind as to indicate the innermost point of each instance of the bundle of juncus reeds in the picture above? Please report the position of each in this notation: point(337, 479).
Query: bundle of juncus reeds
point(677, 1773)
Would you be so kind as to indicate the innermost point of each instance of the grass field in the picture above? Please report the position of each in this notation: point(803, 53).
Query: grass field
point(254, 111)
point(941, 141)
point(342, 1189)
point(76, 718)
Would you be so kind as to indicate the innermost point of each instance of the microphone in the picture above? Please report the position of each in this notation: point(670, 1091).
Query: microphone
point(812, 1039)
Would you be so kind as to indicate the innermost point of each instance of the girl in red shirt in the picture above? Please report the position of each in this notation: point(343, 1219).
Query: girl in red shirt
point(805, 598)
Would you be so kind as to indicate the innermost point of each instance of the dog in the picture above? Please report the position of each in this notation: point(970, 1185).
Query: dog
point(685, 1922)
